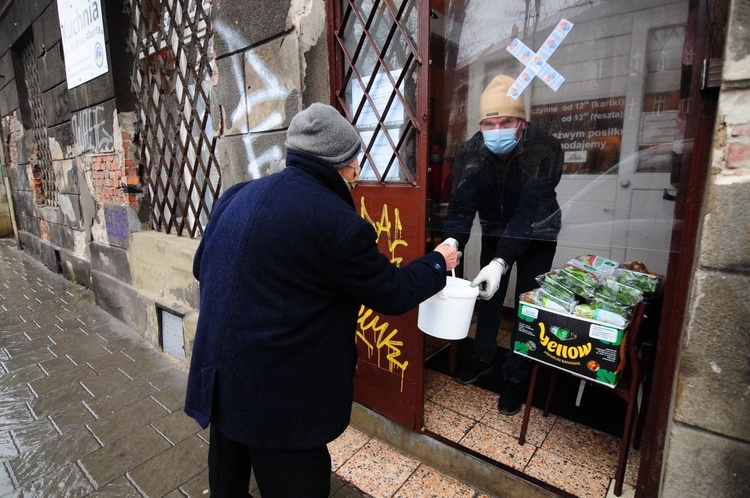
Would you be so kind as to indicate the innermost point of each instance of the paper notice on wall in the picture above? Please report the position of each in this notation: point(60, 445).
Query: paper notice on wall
point(381, 153)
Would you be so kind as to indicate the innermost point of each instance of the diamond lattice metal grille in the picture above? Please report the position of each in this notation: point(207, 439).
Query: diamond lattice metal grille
point(41, 157)
point(171, 40)
point(377, 40)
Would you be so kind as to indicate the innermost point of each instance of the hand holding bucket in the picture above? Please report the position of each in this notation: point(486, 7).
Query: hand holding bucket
point(449, 249)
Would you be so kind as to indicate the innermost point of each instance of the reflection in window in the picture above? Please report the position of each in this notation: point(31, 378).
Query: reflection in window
point(656, 151)
point(665, 49)
point(616, 115)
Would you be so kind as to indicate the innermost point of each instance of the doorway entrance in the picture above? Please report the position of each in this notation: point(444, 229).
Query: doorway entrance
point(610, 88)
point(613, 89)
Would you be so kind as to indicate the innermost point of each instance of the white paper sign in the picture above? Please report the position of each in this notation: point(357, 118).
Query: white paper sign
point(82, 31)
point(380, 93)
point(381, 154)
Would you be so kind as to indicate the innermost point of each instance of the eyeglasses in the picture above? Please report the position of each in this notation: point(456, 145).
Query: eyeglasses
point(356, 167)
point(357, 170)
point(501, 122)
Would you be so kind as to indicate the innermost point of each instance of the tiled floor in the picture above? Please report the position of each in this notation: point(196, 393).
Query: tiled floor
point(571, 457)
point(554, 447)
point(383, 472)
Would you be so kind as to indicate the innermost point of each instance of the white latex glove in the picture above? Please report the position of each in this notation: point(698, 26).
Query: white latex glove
point(489, 278)
point(450, 241)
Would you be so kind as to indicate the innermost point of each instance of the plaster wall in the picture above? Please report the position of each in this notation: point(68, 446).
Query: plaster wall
point(161, 271)
point(268, 67)
point(708, 451)
point(161, 266)
point(6, 226)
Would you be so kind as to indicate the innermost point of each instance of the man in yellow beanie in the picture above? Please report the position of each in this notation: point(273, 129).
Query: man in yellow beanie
point(507, 173)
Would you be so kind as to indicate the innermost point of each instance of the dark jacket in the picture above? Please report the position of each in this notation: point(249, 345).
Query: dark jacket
point(514, 196)
point(284, 265)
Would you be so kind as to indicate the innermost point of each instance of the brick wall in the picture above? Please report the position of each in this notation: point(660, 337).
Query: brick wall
point(113, 173)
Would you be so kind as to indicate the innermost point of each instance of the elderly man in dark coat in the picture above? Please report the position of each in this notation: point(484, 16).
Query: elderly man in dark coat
point(284, 265)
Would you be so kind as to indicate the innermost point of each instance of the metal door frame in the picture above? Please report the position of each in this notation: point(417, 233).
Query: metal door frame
point(389, 375)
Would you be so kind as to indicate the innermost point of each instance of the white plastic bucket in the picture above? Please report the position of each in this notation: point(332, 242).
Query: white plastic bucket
point(447, 314)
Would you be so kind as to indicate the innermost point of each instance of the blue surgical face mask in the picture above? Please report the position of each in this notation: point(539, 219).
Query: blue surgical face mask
point(500, 140)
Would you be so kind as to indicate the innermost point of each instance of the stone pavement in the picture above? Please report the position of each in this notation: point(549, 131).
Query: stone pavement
point(87, 407)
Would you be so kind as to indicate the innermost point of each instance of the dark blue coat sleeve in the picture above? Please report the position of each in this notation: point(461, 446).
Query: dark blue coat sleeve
point(370, 278)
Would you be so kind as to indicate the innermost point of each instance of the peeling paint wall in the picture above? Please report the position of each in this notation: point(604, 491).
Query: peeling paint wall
point(261, 80)
point(269, 60)
point(80, 126)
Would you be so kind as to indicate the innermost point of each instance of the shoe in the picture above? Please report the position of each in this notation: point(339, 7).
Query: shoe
point(510, 399)
point(476, 369)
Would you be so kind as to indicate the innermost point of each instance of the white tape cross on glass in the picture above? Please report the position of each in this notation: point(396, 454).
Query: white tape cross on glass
point(536, 62)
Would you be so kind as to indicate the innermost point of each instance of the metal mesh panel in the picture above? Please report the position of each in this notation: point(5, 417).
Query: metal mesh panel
point(41, 156)
point(377, 41)
point(172, 78)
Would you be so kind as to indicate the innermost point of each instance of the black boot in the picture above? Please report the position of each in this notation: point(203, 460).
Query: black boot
point(511, 398)
point(473, 371)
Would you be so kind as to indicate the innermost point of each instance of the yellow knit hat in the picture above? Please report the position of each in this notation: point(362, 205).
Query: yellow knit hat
point(495, 101)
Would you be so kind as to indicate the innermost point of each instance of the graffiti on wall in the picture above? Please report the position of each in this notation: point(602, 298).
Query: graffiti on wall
point(392, 231)
point(90, 130)
point(118, 224)
point(271, 90)
point(375, 332)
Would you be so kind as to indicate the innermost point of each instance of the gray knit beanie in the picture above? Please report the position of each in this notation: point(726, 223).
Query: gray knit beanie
point(321, 131)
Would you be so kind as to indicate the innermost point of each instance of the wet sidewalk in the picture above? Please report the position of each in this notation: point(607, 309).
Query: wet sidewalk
point(89, 408)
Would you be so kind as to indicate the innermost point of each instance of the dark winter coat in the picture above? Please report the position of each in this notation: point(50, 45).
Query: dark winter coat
point(514, 196)
point(283, 267)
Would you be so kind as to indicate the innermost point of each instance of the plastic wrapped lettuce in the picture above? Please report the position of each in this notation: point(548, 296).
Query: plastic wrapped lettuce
point(578, 280)
point(587, 311)
point(620, 293)
point(550, 283)
point(642, 281)
point(603, 266)
point(543, 299)
point(599, 301)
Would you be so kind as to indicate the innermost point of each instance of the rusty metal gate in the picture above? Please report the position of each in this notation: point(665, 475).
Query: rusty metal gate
point(171, 42)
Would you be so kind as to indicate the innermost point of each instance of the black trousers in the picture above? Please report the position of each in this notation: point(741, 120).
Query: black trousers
point(537, 259)
point(279, 473)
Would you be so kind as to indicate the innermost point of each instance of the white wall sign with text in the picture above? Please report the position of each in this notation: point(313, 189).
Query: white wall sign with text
point(82, 31)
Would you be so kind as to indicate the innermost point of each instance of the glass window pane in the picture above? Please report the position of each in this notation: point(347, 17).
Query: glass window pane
point(599, 79)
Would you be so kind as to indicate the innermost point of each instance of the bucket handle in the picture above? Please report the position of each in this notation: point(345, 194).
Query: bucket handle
point(453, 274)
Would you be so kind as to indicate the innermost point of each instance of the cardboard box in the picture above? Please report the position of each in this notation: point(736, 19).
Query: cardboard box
point(590, 349)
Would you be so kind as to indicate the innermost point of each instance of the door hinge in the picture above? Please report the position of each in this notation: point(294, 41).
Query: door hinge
point(711, 73)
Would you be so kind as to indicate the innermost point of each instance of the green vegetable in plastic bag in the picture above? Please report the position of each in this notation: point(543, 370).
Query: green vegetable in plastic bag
point(599, 301)
point(586, 311)
point(621, 293)
point(642, 281)
point(550, 283)
point(578, 281)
